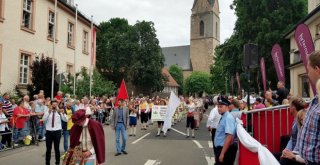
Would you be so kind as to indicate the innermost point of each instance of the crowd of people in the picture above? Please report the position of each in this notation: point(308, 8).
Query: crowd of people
point(45, 119)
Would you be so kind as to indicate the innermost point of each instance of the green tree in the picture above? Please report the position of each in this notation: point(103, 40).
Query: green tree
point(132, 53)
point(177, 73)
point(115, 49)
point(148, 60)
point(41, 77)
point(263, 22)
point(100, 86)
point(198, 83)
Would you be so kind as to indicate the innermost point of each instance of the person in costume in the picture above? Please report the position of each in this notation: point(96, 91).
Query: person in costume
point(89, 134)
point(133, 118)
point(190, 117)
point(160, 123)
point(143, 111)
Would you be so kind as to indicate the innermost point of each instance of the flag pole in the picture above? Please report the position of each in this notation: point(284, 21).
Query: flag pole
point(75, 53)
point(53, 47)
point(90, 81)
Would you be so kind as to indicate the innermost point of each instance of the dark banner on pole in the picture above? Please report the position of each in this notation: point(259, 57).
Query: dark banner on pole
point(238, 81)
point(263, 74)
point(277, 57)
point(305, 45)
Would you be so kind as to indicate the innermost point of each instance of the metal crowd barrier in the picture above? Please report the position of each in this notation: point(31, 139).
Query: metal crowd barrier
point(268, 125)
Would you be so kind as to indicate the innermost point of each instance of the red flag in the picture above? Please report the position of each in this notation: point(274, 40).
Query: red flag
point(93, 44)
point(122, 94)
point(305, 45)
point(277, 57)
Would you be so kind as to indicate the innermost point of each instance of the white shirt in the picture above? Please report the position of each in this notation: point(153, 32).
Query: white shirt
point(47, 117)
point(191, 107)
point(86, 132)
point(3, 126)
point(214, 118)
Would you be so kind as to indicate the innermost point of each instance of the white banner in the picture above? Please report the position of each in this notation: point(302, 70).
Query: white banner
point(174, 102)
point(159, 112)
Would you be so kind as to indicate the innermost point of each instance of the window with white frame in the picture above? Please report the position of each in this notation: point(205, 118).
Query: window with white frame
point(318, 30)
point(70, 34)
point(1, 10)
point(69, 69)
point(85, 42)
point(27, 14)
point(24, 68)
point(51, 24)
point(304, 86)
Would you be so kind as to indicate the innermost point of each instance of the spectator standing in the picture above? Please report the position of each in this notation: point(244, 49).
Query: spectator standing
point(308, 143)
point(7, 106)
point(66, 126)
point(120, 125)
point(40, 108)
point(282, 92)
point(4, 129)
point(213, 119)
point(20, 115)
point(53, 119)
point(258, 103)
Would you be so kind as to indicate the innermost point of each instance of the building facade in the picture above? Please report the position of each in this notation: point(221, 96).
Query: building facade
point(204, 38)
point(298, 77)
point(26, 34)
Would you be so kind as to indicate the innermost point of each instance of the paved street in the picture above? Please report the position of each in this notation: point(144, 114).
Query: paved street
point(144, 149)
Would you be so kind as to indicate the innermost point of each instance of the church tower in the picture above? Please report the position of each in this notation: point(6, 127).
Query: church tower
point(205, 33)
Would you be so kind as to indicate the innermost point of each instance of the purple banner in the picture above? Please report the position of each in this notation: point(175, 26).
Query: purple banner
point(263, 74)
point(238, 81)
point(305, 45)
point(277, 57)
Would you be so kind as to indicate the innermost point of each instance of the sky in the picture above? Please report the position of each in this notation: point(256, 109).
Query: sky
point(171, 17)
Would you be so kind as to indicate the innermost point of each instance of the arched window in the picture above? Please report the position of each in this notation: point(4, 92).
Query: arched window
point(201, 28)
point(217, 28)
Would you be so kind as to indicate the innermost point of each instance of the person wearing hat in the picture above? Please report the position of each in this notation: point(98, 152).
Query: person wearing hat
point(52, 118)
point(224, 148)
point(120, 125)
point(89, 133)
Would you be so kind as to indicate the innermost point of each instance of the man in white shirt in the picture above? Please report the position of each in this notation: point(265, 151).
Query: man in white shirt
point(213, 119)
point(53, 118)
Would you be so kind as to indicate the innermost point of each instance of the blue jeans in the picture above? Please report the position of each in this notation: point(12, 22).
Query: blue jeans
point(41, 129)
point(65, 140)
point(121, 129)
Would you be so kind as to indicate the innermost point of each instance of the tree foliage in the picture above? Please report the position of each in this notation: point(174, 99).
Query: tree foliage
point(100, 86)
point(198, 83)
point(177, 73)
point(42, 77)
point(132, 53)
point(263, 22)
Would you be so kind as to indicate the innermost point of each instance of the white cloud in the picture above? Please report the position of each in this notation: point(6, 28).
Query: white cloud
point(171, 17)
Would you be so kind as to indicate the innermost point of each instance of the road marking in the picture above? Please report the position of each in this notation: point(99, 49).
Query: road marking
point(210, 144)
point(179, 132)
point(198, 144)
point(210, 160)
point(136, 141)
point(152, 162)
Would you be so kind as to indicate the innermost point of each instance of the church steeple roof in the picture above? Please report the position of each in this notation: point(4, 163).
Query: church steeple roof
point(211, 2)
